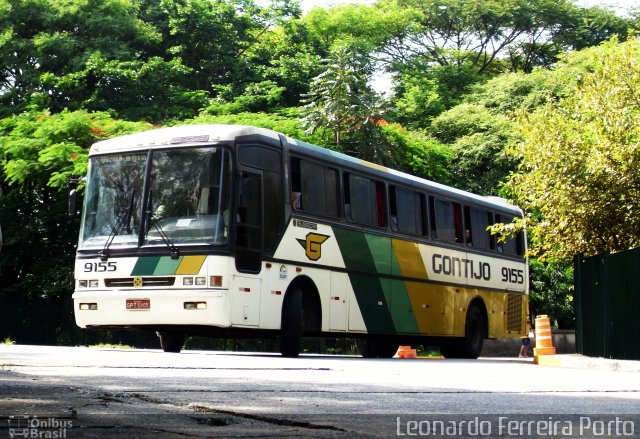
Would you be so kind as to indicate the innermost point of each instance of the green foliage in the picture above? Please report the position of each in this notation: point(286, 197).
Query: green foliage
point(343, 109)
point(417, 100)
point(580, 166)
point(417, 153)
point(368, 26)
point(286, 122)
point(48, 149)
point(111, 346)
point(477, 137)
point(551, 291)
point(256, 97)
point(38, 153)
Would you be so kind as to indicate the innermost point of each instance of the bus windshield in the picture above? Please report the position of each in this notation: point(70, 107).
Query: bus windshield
point(185, 195)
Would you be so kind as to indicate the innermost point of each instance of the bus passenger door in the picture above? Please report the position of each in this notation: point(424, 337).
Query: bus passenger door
point(249, 222)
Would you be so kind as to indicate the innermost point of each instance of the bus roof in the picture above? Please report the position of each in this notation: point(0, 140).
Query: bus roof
point(179, 135)
point(402, 177)
point(201, 134)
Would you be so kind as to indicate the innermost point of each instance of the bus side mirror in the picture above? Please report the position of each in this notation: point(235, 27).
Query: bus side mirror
point(72, 184)
point(73, 196)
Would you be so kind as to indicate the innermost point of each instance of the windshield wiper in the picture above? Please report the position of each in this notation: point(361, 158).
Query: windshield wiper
point(123, 219)
point(153, 219)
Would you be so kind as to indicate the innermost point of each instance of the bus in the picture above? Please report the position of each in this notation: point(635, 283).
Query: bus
point(234, 231)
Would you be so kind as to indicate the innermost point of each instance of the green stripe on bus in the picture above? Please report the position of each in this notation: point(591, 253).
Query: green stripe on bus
point(166, 266)
point(380, 248)
point(402, 312)
point(145, 266)
point(368, 288)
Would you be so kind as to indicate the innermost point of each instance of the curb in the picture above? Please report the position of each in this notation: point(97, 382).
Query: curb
point(577, 361)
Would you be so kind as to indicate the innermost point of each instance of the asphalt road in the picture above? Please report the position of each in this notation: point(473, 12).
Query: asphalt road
point(91, 392)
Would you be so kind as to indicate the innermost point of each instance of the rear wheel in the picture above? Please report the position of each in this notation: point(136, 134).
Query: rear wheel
point(291, 324)
point(171, 341)
point(469, 346)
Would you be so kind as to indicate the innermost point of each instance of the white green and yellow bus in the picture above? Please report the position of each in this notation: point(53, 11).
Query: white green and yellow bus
point(235, 230)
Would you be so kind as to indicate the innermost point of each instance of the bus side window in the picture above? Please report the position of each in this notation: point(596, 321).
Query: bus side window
point(457, 223)
point(406, 211)
point(380, 205)
point(318, 188)
point(442, 224)
point(476, 223)
point(296, 184)
point(514, 245)
point(364, 200)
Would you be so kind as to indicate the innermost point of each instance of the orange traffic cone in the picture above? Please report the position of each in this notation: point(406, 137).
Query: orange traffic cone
point(544, 342)
point(405, 352)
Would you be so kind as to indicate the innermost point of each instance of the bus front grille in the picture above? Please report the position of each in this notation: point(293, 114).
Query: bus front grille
point(135, 282)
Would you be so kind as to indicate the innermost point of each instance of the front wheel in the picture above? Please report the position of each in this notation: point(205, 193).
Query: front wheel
point(171, 341)
point(291, 324)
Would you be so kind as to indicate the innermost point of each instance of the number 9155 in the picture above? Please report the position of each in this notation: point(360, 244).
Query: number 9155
point(99, 267)
point(512, 275)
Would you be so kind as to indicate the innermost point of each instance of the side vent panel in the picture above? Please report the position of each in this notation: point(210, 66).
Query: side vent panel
point(514, 312)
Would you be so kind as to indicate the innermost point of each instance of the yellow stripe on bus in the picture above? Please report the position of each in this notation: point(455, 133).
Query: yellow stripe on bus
point(190, 264)
point(409, 259)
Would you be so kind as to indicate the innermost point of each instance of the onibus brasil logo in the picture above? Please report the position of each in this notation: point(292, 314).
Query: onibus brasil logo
point(312, 245)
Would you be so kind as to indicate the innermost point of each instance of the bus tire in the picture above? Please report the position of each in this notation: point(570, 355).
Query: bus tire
point(171, 341)
point(291, 324)
point(474, 331)
point(376, 347)
point(469, 346)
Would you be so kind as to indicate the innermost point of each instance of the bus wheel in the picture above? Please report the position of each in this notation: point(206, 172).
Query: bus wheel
point(469, 346)
point(171, 341)
point(376, 347)
point(291, 324)
point(473, 334)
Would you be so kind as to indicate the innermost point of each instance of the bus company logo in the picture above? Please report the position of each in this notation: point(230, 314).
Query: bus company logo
point(313, 245)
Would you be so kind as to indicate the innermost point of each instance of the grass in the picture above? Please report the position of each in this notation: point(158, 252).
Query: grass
point(8, 341)
point(111, 346)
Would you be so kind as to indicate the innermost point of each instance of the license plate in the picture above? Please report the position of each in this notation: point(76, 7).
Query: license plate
point(138, 304)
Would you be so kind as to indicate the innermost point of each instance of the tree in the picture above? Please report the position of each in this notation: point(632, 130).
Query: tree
point(342, 104)
point(38, 152)
point(579, 173)
point(450, 46)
